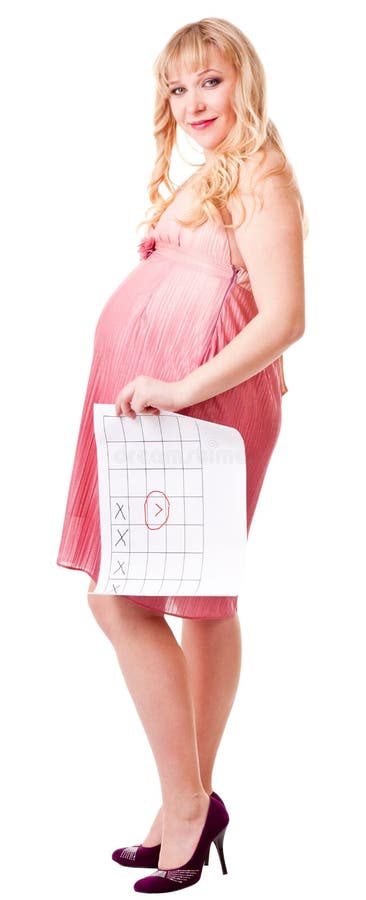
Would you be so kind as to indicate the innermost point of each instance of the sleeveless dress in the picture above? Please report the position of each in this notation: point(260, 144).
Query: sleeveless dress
point(179, 307)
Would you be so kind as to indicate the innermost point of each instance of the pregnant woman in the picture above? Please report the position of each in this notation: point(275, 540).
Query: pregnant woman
point(199, 326)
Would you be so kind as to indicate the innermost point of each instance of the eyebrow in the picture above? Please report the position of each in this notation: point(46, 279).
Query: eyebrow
point(199, 73)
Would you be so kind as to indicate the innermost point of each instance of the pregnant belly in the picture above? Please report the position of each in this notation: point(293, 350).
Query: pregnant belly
point(161, 329)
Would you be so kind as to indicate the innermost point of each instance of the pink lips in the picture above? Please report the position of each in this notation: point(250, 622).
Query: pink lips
point(203, 123)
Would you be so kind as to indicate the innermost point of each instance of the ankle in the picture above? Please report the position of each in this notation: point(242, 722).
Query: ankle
point(187, 807)
point(207, 786)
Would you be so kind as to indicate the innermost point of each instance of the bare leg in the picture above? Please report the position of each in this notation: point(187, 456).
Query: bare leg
point(212, 649)
point(155, 670)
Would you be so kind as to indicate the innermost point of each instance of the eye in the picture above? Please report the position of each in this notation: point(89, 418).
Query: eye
point(218, 80)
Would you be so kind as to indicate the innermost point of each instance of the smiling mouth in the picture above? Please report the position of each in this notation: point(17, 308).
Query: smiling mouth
point(202, 123)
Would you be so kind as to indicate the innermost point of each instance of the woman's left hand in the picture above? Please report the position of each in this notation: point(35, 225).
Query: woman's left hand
point(149, 395)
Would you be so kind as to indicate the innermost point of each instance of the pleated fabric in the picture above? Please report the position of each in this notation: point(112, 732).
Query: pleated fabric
point(179, 307)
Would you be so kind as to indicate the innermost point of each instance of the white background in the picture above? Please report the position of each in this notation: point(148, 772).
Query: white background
point(78, 776)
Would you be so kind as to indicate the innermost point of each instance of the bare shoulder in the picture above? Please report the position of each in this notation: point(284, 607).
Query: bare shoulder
point(265, 180)
point(266, 165)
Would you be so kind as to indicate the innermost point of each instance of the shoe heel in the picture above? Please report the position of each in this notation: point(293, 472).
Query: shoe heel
point(207, 857)
point(219, 844)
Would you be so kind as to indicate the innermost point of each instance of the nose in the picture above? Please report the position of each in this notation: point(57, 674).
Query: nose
point(194, 102)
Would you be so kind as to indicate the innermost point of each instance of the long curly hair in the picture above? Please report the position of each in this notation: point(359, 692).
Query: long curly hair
point(217, 179)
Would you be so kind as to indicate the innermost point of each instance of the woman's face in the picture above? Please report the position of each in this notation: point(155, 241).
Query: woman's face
point(196, 97)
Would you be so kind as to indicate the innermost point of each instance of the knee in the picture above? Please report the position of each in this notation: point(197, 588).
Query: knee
point(105, 609)
point(115, 611)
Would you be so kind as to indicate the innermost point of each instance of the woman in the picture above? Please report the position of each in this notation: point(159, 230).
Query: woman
point(200, 326)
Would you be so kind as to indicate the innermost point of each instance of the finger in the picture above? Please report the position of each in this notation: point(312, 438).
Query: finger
point(123, 405)
point(119, 404)
point(129, 411)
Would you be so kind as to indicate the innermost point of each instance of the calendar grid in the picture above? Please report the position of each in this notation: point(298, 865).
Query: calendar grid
point(157, 513)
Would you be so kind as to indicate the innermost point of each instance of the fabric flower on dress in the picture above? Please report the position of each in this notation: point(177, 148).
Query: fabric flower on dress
point(146, 246)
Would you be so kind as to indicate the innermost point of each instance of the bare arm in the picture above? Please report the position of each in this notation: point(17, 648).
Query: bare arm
point(271, 243)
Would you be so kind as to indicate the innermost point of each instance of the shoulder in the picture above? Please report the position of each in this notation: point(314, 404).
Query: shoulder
point(266, 180)
point(267, 165)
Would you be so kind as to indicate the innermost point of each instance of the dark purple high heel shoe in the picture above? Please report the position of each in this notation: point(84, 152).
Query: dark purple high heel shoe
point(164, 880)
point(142, 857)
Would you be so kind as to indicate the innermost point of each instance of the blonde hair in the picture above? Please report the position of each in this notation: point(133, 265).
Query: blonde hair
point(218, 178)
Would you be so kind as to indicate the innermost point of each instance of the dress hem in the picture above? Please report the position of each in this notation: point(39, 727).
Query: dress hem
point(138, 602)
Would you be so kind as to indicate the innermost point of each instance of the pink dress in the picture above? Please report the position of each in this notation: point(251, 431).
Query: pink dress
point(179, 306)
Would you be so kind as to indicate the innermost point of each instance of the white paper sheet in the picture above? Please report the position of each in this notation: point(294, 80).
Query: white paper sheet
point(172, 498)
